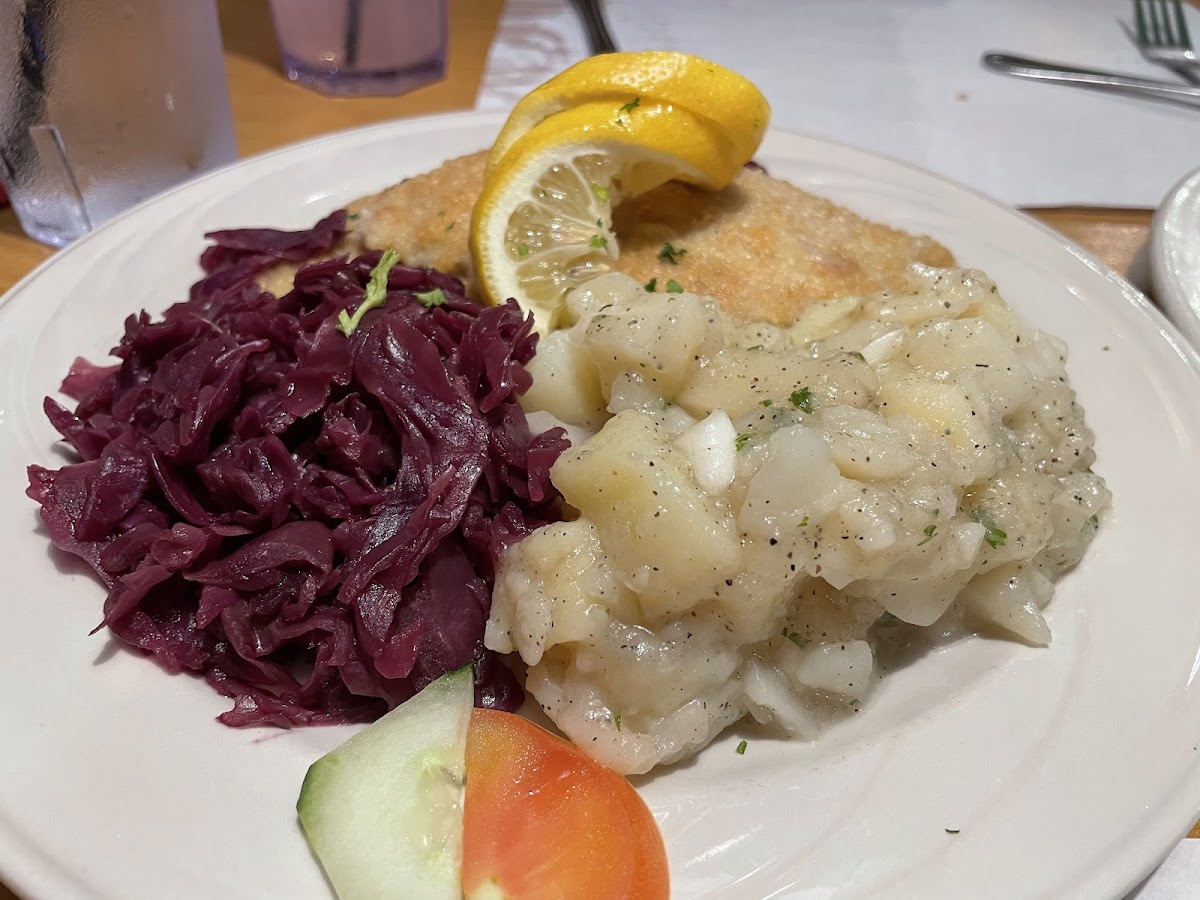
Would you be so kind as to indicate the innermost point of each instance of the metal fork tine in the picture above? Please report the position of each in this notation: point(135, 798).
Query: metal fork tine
point(1164, 17)
point(1185, 39)
point(1139, 21)
point(1161, 34)
point(1156, 31)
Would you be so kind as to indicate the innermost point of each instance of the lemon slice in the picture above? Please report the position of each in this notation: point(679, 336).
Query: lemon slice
point(730, 102)
point(543, 223)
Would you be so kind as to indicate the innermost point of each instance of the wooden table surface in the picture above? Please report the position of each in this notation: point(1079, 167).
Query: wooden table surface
point(269, 111)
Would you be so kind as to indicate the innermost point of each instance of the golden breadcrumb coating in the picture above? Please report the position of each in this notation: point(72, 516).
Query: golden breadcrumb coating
point(762, 247)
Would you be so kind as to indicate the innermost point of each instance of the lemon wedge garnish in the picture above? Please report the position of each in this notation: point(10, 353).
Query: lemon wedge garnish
point(543, 223)
point(586, 141)
point(731, 102)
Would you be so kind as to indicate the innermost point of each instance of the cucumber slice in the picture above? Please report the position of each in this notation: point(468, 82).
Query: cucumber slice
point(383, 812)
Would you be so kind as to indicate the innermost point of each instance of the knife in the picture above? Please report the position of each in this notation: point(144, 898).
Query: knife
point(1058, 73)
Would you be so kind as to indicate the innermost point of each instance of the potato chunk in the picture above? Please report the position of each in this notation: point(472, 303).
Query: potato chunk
point(565, 383)
point(739, 381)
point(668, 540)
point(660, 337)
point(973, 345)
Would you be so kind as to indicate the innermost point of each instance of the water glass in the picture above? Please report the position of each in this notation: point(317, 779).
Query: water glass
point(104, 103)
point(361, 47)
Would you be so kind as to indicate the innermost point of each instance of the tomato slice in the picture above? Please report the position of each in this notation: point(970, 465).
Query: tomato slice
point(542, 821)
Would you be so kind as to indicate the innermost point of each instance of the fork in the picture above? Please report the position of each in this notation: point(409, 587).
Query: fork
point(1162, 41)
point(1060, 73)
point(592, 17)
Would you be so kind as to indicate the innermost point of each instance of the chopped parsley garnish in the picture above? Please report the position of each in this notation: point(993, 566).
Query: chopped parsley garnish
point(670, 254)
point(995, 537)
point(803, 521)
point(755, 347)
point(523, 250)
point(375, 295)
point(602, 192)
point(353, 217)
point(803, 399)
point(430, 299)
point(598, 241)
point(741, 748)
point(632, 105)
point(674, 287)
point(651, 286)
point(741, 441)
point(768, 403)
point(854, 703)
point(796, 638)
point(929, 531)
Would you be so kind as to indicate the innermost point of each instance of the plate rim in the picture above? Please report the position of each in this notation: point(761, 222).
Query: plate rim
point(25, 865)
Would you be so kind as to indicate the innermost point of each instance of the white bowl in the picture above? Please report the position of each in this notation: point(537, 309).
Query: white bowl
point(1175, 256)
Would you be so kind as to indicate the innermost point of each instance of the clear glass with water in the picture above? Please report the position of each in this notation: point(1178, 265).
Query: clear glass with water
point(362, 47)
point(104, 103)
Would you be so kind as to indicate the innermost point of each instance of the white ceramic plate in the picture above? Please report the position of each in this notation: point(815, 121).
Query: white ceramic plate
point(1175, 256)
point(986, 768)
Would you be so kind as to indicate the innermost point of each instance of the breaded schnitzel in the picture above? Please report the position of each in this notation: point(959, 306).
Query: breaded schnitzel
point(762, 247)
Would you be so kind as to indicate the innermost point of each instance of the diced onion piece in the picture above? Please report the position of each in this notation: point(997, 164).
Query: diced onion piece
point(797, 483)
point(840, 668)
point(772, 702)
point(883, 346)
point(710, 448)
point(1011, 598)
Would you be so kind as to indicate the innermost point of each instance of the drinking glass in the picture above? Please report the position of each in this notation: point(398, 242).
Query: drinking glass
point(104, 103)
point(361, 47)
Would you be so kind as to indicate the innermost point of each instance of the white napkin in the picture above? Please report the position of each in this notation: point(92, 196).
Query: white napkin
point(903, 78)
point(1178, 878)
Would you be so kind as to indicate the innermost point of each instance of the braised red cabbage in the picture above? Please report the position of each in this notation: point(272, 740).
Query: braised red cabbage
point(310, 520)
